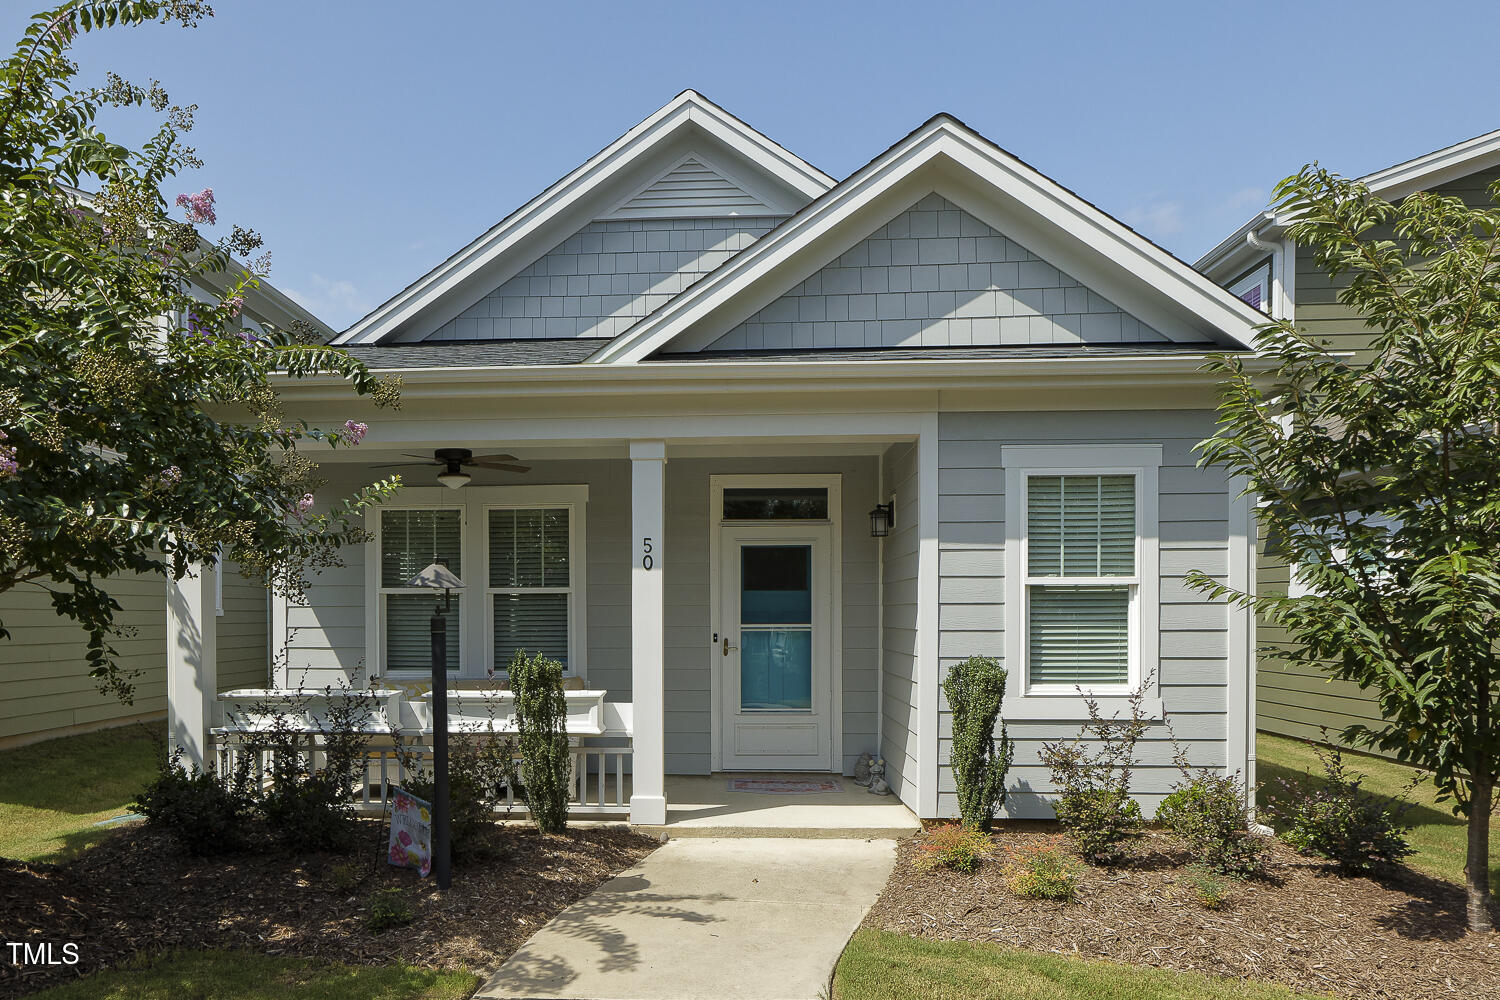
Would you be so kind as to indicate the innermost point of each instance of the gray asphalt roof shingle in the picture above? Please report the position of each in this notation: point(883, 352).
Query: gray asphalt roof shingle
point(477, 353)
point(949, 353)
point(572, 350)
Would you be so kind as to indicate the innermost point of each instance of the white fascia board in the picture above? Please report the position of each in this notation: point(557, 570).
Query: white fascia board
point(1438, 167)
point(663, 378)
point(943, 138)
point(1234, 253)
point(688, 107)
point(1392, 183)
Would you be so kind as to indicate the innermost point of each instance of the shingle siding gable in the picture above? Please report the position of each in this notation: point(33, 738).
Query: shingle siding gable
point(605, 277)
point(936, 276)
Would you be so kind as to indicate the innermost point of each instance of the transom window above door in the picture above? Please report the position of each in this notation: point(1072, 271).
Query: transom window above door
point(775, 504)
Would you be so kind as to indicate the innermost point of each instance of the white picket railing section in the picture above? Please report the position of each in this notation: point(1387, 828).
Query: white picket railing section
point(598, 730)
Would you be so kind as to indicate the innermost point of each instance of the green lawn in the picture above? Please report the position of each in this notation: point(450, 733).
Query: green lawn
point(229, 975)
point(53, 794)
point(1437, 835)
point(879, 965)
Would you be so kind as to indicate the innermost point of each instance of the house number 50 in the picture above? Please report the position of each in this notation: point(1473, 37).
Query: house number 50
point(646, 561)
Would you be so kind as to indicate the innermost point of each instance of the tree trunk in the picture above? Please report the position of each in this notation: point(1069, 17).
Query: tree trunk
point(1477, 863)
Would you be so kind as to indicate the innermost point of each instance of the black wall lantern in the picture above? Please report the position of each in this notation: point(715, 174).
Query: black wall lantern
point(882, 519)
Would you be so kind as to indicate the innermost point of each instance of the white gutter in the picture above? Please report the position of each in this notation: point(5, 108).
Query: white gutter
point(745, 376)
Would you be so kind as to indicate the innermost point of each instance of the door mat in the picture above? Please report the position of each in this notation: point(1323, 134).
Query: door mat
point(783, 786)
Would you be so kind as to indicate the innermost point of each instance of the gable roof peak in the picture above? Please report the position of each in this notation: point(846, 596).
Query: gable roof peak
point(688, 122)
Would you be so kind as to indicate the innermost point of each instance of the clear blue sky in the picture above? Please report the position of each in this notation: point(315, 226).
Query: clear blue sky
point(369, 140)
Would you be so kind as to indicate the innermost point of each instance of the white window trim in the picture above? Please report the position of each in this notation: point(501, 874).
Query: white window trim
point(1022, 701)
point(375, 596)
point(476, 639)
point(576, 505)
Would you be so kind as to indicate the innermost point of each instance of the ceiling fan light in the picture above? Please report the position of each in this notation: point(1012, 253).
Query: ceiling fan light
point(453, 480)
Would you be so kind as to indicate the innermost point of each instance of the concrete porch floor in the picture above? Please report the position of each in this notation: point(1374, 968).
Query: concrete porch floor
point(704, 806)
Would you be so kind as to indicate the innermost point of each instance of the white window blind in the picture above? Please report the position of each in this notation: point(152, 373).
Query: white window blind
point(530, 583)
point(410, 540)
point(1080, 578)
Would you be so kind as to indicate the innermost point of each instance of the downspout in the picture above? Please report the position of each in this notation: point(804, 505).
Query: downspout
point(1279, 300)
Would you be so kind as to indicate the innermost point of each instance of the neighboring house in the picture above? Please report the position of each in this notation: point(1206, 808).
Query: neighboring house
point(1260, 263)
point(712, 360)
point(45, 687)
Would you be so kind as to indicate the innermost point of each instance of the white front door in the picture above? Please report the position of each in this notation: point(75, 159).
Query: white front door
point(775, 646)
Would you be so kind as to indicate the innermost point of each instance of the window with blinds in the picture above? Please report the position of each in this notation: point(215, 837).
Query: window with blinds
point(1081, 578)
point(411, 540)
point(530, 587)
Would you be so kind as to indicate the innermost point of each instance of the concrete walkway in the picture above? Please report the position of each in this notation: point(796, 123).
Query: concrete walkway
point(705, 919)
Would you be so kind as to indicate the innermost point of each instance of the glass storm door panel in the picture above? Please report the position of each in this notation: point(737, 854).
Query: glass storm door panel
point(775, 585)
point(776, 628)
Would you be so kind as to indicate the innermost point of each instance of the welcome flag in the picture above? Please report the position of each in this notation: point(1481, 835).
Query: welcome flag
point(411, 832)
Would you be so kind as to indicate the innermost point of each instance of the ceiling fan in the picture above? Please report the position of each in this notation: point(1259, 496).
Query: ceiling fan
point(453, 461)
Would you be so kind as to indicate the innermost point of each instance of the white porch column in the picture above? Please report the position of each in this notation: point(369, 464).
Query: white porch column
point(648, 800)
point(192, 666)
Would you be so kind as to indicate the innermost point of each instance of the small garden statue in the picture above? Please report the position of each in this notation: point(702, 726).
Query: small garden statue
point(878, 785)
point(862, 769)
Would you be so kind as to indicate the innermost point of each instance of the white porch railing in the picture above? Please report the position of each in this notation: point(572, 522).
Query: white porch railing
point(600, 733)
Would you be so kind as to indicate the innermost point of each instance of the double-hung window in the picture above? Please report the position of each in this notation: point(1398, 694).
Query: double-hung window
point(530, 589)
point(1081, 571)
point(411, 540)
point(1081, 581)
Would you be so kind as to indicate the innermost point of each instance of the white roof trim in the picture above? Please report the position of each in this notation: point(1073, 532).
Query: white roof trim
point(947, 138)
point(1392, 183)
point(687, 107)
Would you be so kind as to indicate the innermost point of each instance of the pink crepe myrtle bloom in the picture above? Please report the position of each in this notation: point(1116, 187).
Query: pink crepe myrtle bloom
point(354, 432)
point(171, 474)
point(8, 464)
point(236, 305)
point(200, 206)
point(303, 506)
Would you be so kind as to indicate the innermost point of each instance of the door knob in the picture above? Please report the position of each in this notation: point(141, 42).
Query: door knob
point(727, 646)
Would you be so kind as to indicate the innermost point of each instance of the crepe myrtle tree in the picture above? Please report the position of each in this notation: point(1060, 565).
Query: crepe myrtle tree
point(1379, 481)
point(139, 425)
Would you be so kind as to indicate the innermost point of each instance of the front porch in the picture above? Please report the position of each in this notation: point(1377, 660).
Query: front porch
point(708, 806)
point(627, 562)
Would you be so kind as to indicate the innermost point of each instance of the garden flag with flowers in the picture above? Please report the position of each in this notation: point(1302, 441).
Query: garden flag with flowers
point(411, 832)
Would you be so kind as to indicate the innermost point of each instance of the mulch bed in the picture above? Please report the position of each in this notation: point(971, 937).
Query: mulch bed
point(137, 893)
point(1401, 937)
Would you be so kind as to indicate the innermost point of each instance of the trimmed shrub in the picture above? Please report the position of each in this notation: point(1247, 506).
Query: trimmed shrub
point(205, 812)
point(1333, 818)
point(387, 908)
point(1093, 782)
point(479, 768)
point(1043, 873)
point(309, 803)
point(1212, 889)
point(975, 690)
point(1209, 811)
point(955, 847)
point(542, 739)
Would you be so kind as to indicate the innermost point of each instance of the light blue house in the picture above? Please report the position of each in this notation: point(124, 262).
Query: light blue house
point(777, 450)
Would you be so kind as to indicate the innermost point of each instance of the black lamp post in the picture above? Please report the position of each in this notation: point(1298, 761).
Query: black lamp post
point(439, 577)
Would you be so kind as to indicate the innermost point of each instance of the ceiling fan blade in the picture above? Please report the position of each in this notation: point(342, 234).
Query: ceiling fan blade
point(503, 467)
point(430, 459)
point(403, 465)
point(494, 458)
